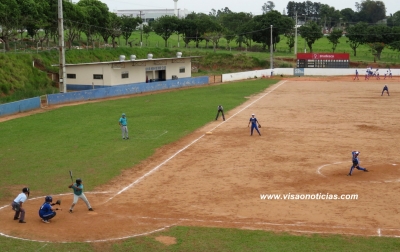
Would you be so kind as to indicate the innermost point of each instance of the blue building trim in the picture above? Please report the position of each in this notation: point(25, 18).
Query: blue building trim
point(106, 91)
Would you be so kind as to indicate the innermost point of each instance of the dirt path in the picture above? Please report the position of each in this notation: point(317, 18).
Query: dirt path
point(310, 127)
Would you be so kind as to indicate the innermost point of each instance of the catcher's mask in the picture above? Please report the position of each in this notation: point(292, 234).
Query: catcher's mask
point(25, 190)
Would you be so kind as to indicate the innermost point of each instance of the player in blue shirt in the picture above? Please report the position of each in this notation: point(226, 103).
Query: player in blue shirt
point(46, 212)
point(123, 123)
point(385, 88)
point(254, 122)
point(356, 163)
point(356, 77)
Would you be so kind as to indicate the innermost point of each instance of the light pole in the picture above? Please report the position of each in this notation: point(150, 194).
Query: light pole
point(271, 47)
point(178, 32)
point(305, 21)
point(295, 37)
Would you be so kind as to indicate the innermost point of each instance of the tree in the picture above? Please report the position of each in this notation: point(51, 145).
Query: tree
point(115, 27)
point(146, 31)
point(267, 7)
point(262, 24)
point(9, 16)
point(378, 37)
point(394, 20)
point(311, 33)
point(349, 16)
point(74, 20)
point(356, 35)
point(334, 37)
point(235, 24)
point(290, 38)
point(395, 45)
point(372, 11)
point(165, 26)
point(96, 16)
point(129, 25)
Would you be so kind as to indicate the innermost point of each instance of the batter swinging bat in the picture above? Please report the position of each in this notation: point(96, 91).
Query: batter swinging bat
point(70, 174)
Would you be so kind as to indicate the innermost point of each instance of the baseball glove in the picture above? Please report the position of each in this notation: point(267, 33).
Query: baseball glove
point(259, 125)
point(58, 202)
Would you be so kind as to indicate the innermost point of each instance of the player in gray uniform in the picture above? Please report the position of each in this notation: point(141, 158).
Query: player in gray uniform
point(78, 193)
point(220, 110)
point(17, 205)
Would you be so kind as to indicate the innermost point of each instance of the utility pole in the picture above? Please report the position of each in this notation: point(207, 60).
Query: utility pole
point(305, 21)
point(141, 29)
point(178, 32)
point(295, 37)
point(271, 47)
point(62, 71)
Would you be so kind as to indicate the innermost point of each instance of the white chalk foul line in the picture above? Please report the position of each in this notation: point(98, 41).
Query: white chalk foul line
point(62, 194)
point(154, 169)
point(267, 93)
point(187, 146)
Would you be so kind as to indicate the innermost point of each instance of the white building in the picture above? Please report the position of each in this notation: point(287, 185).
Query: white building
point(112, 73)
point(149, 15)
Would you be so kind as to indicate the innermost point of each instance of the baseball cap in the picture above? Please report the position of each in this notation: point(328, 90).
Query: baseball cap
point(252, 114)
point(123, 114)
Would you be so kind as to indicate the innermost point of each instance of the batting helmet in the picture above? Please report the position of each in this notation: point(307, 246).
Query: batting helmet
point(25, 190)
point(78, 181)
point(48, 199)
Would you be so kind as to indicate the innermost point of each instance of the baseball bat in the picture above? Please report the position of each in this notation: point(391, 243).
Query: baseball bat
point(70, 174)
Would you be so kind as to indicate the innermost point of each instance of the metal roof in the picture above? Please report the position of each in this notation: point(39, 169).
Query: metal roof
point(126, 61)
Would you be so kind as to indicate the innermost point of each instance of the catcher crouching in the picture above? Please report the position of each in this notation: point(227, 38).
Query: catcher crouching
point(46, 211)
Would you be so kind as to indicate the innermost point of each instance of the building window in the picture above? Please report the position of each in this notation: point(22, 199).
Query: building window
point(71, 76)
point(125, 75)
point(181, 69)
point(97, 76)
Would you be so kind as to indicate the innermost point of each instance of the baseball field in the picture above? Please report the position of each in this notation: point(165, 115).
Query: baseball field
point(172, 187)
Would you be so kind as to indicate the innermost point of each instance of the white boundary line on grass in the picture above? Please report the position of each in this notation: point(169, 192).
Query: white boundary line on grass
point(102, 240)
point(187, 146)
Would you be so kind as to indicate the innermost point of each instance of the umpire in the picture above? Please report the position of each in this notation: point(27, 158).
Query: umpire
point(220, 110)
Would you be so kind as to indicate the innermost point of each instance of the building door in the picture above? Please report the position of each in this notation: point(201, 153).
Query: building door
point(161, 75)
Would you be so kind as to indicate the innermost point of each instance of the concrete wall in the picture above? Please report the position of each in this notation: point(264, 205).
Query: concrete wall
point(120, 90)
point(19, 106)
point(307, 72)
point(246, 75)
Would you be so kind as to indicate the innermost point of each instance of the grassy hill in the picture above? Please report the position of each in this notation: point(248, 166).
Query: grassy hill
point(19, 80)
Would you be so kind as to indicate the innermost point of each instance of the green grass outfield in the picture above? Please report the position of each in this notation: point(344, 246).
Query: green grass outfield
point(38, 150)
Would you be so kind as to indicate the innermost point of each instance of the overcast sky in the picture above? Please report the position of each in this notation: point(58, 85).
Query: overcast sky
point(253, 6)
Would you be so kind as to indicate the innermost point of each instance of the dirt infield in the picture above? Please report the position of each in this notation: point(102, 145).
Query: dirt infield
point(310, 127)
